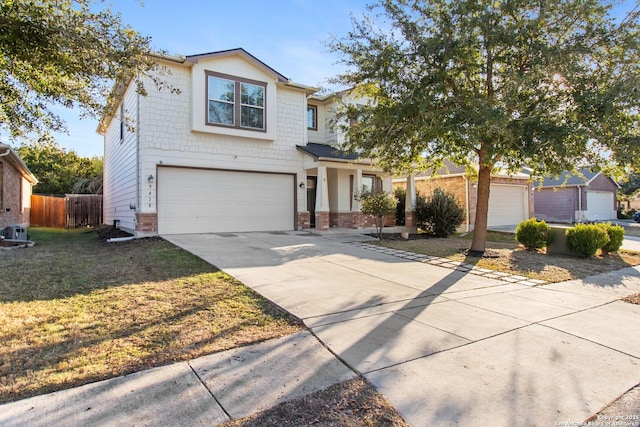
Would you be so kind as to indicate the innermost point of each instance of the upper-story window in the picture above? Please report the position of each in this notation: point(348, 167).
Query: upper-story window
point(236, 102)
point(312, 117)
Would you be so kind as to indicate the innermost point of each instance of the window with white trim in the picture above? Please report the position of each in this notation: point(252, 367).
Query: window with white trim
point(236, 102)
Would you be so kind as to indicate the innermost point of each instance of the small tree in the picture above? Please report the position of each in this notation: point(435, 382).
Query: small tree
point(379, 205)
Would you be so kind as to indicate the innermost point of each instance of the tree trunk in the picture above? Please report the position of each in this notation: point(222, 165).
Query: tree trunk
point(479, 242)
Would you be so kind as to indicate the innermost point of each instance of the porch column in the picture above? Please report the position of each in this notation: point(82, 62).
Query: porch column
point(410, 203)
point(357, 190)
point(387, 184)
point(322, 200)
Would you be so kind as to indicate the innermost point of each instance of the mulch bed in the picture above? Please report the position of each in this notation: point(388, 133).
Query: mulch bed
point(109, 232)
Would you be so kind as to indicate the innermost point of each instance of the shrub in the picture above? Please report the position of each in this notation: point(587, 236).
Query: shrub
point(622, 215)
point(584, 240)
point(401, 194)
point(379, 205)
point(440, 215)
point(534, 234)
point(616, 236)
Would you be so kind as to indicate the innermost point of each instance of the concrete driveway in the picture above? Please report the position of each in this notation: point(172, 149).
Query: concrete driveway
point(447, 347)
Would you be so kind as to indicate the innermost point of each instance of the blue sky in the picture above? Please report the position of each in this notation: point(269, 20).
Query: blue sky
point(288, 35)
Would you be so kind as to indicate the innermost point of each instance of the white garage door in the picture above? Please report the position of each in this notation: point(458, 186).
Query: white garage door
point(206, 201)
point(507, 205)
point(599, 205)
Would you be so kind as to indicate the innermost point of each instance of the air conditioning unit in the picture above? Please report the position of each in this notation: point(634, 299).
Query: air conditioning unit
point(14, 232)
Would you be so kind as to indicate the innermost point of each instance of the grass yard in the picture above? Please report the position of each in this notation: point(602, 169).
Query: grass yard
point(506, 255)
point(75, 309)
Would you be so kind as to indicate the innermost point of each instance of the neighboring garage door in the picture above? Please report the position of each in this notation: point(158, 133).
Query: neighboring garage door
point(206, 201)
point(599, 205)
point(507, 205)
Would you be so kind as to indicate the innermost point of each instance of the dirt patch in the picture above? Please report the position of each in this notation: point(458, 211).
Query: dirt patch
point(10, 244)
point(351, 403)
point(504, 254)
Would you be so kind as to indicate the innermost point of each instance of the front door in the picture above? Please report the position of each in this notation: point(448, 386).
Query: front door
point(311, 199)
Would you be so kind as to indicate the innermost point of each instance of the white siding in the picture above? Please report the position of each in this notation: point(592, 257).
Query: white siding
point(120, 196)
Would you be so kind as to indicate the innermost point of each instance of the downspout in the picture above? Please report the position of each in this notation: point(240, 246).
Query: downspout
point(579, 203)
point(6, 153)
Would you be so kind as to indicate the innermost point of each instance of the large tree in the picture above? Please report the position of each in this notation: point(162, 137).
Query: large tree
point(67, 53)
point(60, 171)
point(549, 84)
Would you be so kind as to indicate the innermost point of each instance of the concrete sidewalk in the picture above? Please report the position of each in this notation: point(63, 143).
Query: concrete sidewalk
point(203, 392)
point(444, 346)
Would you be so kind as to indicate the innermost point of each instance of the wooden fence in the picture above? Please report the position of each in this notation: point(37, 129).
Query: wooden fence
point(69, 211)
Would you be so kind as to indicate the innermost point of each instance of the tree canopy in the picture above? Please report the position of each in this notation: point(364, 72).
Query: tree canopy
point(548, 84)
point(60, 171)
point(65, 53)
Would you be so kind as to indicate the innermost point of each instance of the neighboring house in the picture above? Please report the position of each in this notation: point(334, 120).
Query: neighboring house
point(510, 197)
point(628, 203)
point(586, 196)
point(16, 182)
point(240, 148)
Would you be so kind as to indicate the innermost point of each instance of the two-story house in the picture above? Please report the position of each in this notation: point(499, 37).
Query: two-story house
point(239, 148)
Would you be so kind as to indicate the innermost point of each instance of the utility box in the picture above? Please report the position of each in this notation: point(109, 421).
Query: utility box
point(14, 232)
point(559, 244)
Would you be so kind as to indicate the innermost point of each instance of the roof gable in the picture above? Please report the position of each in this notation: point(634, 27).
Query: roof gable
point(569, 179)
point(242, 54)
point(12, 157)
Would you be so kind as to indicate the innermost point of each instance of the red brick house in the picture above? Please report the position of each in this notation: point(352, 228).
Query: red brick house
point(16, 182)
point(510, 198)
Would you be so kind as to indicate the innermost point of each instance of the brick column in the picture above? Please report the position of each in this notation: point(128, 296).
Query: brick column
point(304, 221)
point(322, 221)
point(146, 221)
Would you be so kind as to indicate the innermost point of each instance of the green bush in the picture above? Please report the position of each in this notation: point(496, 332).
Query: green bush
point(616, 236)
point(584, 240)
point(401, 194)
point(534, 234)
point(440, 215)
point(623, 215)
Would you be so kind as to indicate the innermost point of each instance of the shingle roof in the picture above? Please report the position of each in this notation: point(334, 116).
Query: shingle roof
point(569, 179)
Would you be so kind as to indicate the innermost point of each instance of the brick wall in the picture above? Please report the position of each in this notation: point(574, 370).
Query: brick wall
point(304, 220)
point(146, 221)
point(12, 197)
